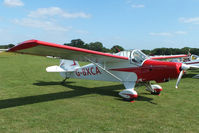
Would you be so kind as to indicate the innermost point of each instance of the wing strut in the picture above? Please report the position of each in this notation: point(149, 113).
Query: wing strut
point(104, 69)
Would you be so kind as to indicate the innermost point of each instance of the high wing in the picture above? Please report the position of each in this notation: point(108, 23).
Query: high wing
point(168, 57)
point(36, 47)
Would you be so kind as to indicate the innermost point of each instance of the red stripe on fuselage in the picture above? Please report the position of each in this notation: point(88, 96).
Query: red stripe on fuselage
point(159, 71)
point(192, 63)
point(168, 57)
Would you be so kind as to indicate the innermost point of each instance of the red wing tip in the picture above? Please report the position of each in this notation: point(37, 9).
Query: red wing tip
point(22, 45)
point(30, 41)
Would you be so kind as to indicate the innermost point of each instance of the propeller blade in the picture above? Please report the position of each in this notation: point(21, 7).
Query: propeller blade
point(179, 78)
point(184, 67)
point(192, 66)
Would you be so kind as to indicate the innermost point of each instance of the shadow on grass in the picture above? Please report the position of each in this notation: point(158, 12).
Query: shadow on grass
point(43, 83)
point(189, 75)
point(77, 91)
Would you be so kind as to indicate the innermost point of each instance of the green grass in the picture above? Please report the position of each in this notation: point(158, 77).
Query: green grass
point(32, 100)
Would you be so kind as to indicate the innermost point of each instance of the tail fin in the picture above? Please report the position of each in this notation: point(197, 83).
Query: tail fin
point(65, 66)
point(69, 65)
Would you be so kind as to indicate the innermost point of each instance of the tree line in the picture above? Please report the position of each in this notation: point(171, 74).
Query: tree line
point(98, 46)
point(6, 46)
point(172, 51)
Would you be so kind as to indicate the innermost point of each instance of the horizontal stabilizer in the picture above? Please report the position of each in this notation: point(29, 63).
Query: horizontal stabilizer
point(55, 69)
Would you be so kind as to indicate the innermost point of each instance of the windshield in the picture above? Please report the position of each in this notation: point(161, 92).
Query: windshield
point(138, 57)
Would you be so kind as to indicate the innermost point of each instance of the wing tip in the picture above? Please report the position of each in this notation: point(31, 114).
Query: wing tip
point(23, 45)
point(30, 41)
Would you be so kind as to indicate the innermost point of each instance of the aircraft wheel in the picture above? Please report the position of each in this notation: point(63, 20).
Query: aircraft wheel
point(129, 95)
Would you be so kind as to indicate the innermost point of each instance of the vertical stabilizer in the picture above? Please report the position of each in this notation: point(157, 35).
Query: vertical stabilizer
point(69, 65)
point(65, 66)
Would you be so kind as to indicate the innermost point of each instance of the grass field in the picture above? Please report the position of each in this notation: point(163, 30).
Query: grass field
point(34, 101)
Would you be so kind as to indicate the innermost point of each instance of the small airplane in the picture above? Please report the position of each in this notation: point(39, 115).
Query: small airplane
point(128, 67)
point(192, 60)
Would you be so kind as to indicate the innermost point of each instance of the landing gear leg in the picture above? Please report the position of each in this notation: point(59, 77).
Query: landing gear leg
point(153, 89)
point(63, 81)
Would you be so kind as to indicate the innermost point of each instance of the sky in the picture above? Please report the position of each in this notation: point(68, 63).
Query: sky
point(132, 24)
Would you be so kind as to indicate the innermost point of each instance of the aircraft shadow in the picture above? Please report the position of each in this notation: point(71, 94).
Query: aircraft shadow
point(77, 91)
point(43, 83)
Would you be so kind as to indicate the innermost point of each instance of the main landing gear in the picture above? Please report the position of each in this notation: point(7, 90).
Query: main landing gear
point(153, 89)
point(129, 94)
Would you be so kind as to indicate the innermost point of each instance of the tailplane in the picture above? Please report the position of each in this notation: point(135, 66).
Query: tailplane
point(65, 66)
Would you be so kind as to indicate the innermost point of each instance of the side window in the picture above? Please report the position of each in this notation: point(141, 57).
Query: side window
point(137, 57)
point(132, 58)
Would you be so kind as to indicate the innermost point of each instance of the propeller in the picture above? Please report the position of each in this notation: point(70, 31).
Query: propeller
point(182, 68)
point(179, 78)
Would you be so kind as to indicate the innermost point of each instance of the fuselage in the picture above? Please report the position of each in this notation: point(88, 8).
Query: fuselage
point(153, 70)
point(150, 70)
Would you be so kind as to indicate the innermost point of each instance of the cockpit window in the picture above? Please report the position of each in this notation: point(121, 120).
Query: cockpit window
point(138, 57)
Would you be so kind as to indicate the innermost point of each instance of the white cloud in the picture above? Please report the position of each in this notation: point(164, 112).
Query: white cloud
point(138, 6)
point(83, 32)
point(160, 34)
point(133, 5)
point(13, 3)
point(56, 11)
point(167, 33)
point(180, 32)
point(128, 1)
point(44, 25)
point(194, 20)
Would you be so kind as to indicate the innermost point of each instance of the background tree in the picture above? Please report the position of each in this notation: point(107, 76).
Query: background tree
point(96, 46)
point(6, 46)
point(147, 52)
point(77, 43)
point(116, 49)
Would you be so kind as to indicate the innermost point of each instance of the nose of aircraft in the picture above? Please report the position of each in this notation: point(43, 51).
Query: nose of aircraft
point(164, 69)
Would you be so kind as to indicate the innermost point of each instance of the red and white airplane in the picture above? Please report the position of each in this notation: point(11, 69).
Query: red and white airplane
point(128, 67)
